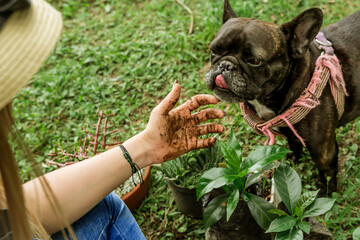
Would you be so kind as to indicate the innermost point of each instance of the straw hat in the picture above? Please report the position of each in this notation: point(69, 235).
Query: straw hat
point(26, 40)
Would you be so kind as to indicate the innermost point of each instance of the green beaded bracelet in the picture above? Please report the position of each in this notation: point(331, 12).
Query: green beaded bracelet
point(135, 169)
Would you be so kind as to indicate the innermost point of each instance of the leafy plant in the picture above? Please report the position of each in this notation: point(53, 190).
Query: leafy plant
point(104, 62)
point(235, 179)
point(292, 224)
point(185, 170)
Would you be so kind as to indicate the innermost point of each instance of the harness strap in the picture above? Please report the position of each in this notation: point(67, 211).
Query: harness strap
point(327, 69)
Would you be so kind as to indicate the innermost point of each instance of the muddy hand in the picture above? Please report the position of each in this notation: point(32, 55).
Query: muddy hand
point(176, 131)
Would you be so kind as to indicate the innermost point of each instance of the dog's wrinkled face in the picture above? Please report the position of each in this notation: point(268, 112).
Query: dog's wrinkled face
point(248, 58)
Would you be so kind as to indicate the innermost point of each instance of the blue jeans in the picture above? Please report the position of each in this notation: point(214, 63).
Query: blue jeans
point(110, 219)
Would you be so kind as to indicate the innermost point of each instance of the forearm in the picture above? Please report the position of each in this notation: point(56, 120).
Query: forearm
point(169, 134)
point(79, 187)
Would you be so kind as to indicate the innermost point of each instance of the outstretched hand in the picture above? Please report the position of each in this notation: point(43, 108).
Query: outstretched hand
point(174, 132)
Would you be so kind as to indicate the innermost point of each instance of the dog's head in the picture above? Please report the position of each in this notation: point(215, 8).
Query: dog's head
point(250, 58)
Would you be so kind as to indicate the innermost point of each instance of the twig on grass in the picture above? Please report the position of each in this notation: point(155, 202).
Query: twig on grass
point(95, 143)
point(191, 28)
point(90, 144)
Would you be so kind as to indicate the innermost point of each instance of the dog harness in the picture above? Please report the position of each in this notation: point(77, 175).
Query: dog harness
point(327, 70)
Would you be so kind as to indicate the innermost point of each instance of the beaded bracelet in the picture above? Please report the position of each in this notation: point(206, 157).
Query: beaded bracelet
point(135, 169)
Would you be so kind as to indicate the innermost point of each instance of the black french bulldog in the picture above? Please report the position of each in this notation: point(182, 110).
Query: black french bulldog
point(268, 66)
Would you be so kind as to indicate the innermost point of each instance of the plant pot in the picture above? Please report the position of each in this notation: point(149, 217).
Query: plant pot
point(133, 198)
point(185, 199)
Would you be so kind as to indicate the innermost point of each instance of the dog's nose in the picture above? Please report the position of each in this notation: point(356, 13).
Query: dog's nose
point(226, 66)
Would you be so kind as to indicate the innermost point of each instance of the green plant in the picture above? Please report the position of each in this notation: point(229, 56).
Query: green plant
point(185, 170)
point(125, 58)
point(291, 224)
point(235, 179)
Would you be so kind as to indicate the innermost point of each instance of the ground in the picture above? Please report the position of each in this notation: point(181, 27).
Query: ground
point(122, 57)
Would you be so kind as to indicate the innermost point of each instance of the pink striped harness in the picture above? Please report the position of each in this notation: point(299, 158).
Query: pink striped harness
point(327, 69)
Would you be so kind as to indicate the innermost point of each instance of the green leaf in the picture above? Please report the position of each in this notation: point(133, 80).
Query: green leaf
point(232, 202)
point(278, 212)
point(228, 188)
point(216, 183)
point(288, 185)
point(243, 173)
point(305, 226)
point(232, 160)
point(183, 228)
point(291, 234)
point(246, 196)
point(298, 211)
point(259, 209)
point(238, 184)
point(356, 234)
point(318, 207)
point(253, 178)
point(209, 176)
point(234, 144)
point(306, 199)
point(214, 173)
point(281, 224)
point(215, 210)
point(264, 155)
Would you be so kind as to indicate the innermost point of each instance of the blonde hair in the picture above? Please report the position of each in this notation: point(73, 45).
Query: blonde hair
point(24, 223)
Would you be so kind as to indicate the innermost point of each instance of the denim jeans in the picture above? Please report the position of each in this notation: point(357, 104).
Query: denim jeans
point(110, 219)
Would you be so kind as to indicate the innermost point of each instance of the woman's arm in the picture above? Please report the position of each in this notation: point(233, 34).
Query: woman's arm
point(169, 134)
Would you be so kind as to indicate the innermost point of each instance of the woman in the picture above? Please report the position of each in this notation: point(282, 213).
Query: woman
point(79, 194)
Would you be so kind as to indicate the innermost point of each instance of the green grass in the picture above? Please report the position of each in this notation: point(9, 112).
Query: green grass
point(122, 57)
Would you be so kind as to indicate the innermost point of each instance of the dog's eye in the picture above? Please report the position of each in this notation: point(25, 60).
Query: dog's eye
point(212, 54)
point(254, 62)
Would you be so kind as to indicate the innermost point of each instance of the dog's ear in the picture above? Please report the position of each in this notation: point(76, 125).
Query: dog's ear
point(302, 30)
point(228, 12)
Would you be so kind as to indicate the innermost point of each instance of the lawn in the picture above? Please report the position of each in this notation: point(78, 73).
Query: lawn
point(123, 56)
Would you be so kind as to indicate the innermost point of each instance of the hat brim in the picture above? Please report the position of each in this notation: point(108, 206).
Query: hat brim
point(26, 40)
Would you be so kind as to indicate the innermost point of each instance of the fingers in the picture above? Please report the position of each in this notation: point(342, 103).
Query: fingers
point(170, 100)
point(204, 143)
point(199, 100)
point(205, 129)
point(210, 128)
point(206, 114)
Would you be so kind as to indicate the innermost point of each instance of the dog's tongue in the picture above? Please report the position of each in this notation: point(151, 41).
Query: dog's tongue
point(220, 82)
